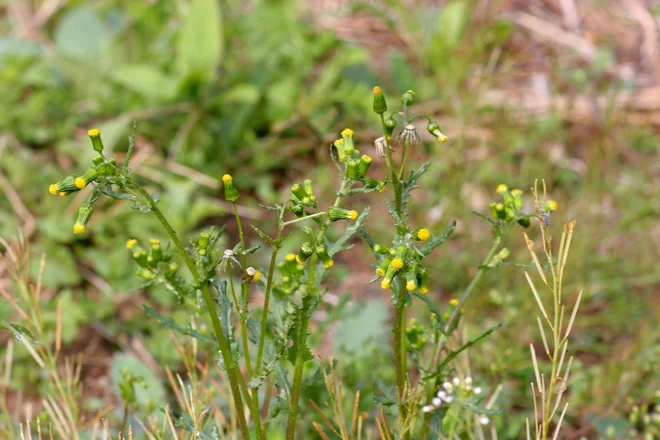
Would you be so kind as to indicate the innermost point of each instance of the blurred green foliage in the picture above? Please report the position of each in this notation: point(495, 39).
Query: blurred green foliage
point(258, 89)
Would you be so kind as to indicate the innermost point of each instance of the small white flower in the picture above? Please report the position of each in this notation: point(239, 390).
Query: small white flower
point(484, 420)
point(428, 408)
point(449, 399)
point(442, 394)
point(250, 271)
point(381, 146)
point(448, 386)
point(456, 381)
point(468, 381)
point(477, 390)
point(436, 401)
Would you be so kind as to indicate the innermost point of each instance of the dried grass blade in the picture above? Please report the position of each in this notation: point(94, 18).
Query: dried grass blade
point(530, 246)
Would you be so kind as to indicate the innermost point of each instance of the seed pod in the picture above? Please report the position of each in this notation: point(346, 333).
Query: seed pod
point(306, 250)
point(335, 213)
point(390, 125)
point(231, 193)
point(363, 166)
point(422, 286)
point(380, 106)
point(84, 214)
point(64, 187)
point(95, 136)
point(384, 265)
point(84, 180)
point(435, 131)
point(322, 252)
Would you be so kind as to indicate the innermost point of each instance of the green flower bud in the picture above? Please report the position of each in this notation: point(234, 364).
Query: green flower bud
point(503, 191)
point(231, 193)
point(84, 180)
point(296, 207)
point(306, 250)
point(434, 129)
point(84, 214)
point(202, 252)
point(156, 251)
point(411, 276)
point(291, 263)
point(204, 239)
point(408, 98)
point(341, 151)
point(503, 254)
point(98, 160)
point(322, 252)
point(381, 249)
point(307, 185)
point(524, 222)
point(390, 125)
point(352, 169)
point(363, 166)
point(64, 187)
point(140, 257)
point(283, 268)
point(172, 268)
point(95, 136)
point(422, 286)
point(390, 272)
point(146, 274)
point(349, 146)
point(380, 106)
point(299, 192)
point(335, 213)
point(384, 265)
point(517, 199)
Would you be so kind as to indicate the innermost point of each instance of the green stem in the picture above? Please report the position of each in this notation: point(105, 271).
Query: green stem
point(264, 315)
point(245, 286)
point(430, 390)
point(400, 356)
point(225, 350)
point(296, 220)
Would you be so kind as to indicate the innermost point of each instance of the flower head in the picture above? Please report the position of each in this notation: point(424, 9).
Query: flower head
point(408, 136)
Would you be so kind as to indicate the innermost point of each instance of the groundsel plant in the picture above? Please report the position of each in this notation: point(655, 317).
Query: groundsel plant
point(401, 268)
point(548, 391)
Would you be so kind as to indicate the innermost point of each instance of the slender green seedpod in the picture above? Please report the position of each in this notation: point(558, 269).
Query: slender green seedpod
point(524, 222)
point(434, 129)
point(231, 193)
point(380, 106)
point(335, 213)
point(363, 166)
point(422, 234)
point(411, 276)
point(517, 199)
point(384, 265)
point(306, 251)
point(322, 252)
point(423, 275)
point(140, 257)
point(381, 249)
point(408, 98)
point(390, 125)
point(98, 160)
point(64, 187)
point(341, 151)
point(204, 239)
point(349, 146)
point(156, 250)
point(95, 136)
point(352, 169)
point(84, 214)
point(84, 180)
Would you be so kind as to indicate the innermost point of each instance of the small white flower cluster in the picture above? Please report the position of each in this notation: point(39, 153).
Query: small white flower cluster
point(449, 392)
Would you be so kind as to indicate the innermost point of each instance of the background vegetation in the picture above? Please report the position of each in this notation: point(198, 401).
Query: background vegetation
point(562, 90)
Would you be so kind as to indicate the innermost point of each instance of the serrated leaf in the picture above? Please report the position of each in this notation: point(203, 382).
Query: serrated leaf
point(437, 240)
point(251, 250)
point(199, 44)
point(263, 235)
point(171, 324)
point(226, 308)
point(454, 353)
point(411, 183)
point(432, 308)
point(351, 229)
point(395, 215)
point(488, 219)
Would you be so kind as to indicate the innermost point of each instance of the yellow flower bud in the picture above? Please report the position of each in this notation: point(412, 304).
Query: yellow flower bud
point(131, 243)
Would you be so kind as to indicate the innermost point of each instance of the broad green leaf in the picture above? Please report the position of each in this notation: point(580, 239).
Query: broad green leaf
point(199, 45)
point(82, 34)
point(146, 80)
point(452, 22)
